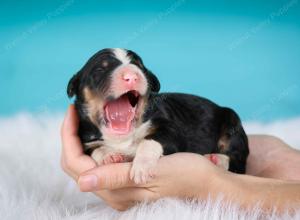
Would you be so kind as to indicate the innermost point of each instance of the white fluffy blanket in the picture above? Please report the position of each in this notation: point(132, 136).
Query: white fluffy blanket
point(32, 185)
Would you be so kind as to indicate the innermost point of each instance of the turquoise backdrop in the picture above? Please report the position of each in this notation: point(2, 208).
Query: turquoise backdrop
point(242, 54)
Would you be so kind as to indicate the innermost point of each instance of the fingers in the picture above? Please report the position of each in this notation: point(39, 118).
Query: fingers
point(125, 195)
point(111, 176)
point(73, 160)
point(122, 199)
point(114, 200)
point(116, 176)
point(70, 139)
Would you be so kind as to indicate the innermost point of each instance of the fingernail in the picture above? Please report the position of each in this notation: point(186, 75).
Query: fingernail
point(88, 182)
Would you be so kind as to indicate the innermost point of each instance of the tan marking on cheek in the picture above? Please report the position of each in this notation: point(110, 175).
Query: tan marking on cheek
point(140, 110)
point(88, 95)
point(94, 105)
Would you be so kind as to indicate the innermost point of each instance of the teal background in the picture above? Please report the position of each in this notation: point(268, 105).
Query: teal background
point(242, 54)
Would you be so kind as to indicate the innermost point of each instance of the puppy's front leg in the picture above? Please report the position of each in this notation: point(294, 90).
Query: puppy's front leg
point(147, 154)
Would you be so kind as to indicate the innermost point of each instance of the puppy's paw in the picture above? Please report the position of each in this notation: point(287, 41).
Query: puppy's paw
point(142, 170)
point(220, 160)
point(98, 155)
point(113, 158)
point(102, 157)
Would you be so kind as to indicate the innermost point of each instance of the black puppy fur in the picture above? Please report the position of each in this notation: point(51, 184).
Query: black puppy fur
point(180, 122)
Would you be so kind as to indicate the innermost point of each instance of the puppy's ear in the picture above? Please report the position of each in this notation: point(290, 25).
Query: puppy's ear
point(153, 82)
point(73, 85)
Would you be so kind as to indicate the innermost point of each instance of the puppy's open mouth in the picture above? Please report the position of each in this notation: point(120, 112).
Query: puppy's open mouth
point(120, 113)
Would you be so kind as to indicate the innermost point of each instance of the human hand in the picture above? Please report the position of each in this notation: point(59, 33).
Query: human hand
point(184, 175)
point(73, 159)
point(271, 157)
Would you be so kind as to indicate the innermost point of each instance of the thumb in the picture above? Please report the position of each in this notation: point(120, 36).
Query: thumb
point(111, 176)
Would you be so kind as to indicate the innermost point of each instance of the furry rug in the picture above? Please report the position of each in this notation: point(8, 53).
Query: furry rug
point(32, 185)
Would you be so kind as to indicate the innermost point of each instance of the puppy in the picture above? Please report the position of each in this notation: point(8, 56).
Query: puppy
point(123, 118)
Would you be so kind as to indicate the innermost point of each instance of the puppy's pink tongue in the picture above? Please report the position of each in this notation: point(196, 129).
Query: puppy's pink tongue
point(120, 114)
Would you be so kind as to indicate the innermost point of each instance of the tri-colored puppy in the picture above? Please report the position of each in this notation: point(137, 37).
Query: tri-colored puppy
point(123, 117)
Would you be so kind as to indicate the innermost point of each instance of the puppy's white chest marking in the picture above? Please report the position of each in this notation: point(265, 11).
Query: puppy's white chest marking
point(127, 145)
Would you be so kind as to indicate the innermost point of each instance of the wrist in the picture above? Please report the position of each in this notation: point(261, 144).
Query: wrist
point(249, 191)
point(217, 183)
point(229, 186)
point(224, 184)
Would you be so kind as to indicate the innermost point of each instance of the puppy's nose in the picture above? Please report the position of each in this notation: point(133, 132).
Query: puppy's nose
point(130, 77)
